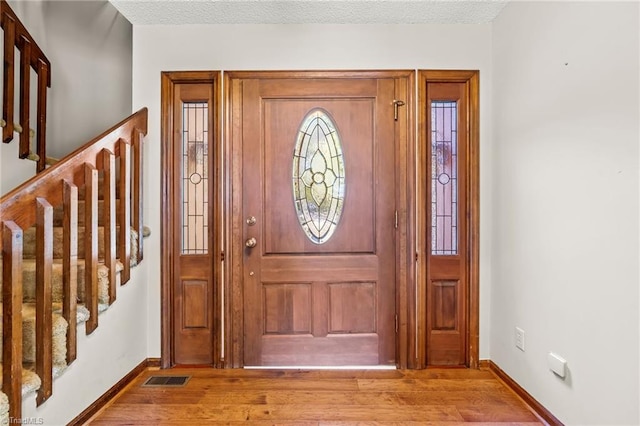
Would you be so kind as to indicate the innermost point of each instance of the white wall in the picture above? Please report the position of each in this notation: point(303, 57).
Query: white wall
point(236, 47)
point(13, 171)
point(565, 216)
point(89, 46)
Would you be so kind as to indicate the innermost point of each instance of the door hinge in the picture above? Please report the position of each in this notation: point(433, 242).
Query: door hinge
point(396, 219)
point(396, 104)
point(222, 256)
point(396, 323)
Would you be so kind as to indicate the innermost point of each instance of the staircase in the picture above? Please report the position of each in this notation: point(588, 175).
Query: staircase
point(69, 236)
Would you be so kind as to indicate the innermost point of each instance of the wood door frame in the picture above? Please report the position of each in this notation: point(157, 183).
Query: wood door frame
point(410, 202)
point(234, 306)
point(168, 82)
point(472, 193)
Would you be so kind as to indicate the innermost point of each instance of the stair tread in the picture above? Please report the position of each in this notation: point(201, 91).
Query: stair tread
point(29, 312)
point(30, 381)
point(57, 262)
point(59, 334)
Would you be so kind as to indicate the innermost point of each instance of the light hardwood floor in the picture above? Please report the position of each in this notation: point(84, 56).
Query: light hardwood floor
point(294, 397)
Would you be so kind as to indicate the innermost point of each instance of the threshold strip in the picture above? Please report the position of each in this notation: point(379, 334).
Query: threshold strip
point(320, 367)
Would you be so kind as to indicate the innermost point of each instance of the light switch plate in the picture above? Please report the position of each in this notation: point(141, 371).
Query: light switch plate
point(520, 338)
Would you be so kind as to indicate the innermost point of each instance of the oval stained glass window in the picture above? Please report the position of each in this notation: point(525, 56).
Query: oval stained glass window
point(318, 176)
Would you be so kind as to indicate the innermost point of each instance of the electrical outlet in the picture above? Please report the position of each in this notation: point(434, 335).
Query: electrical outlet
point(520, 338)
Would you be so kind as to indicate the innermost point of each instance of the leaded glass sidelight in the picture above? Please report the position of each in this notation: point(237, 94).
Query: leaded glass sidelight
point(318, 176)
point(195, 177)
point(444, 178)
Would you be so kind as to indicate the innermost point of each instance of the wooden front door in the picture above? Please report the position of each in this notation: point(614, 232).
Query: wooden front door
point(317, 226)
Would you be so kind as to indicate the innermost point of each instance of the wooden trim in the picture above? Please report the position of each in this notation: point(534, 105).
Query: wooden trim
point(473, 185)
point(91, 246)
point(217, 223)
point(233, 312)
point(166, 242)
point(104, 400)
point(70, 266)
point(169, 80)
point(44, 323)
point(154, 362)
point(421, 224)
point(109, 215)
point(347, 74)
point(41, 112)
point(137, 189)
point(9, 25)
point(444, 76)
point(529, 400)
point(25, 98)
point(12, 316)
point(405, 249)
point(124, 249)
point(471, 79)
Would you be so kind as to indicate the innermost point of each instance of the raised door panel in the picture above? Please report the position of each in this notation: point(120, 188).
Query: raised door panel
point(352, 308)
point(287, 308)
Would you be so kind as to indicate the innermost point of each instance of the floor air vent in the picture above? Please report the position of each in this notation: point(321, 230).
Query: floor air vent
point(167, 381)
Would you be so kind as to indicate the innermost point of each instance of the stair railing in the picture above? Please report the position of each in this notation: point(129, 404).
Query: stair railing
point(33, 203)
point(31, 56)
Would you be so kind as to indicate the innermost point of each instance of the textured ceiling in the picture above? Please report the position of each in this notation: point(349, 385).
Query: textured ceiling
point(150, 12)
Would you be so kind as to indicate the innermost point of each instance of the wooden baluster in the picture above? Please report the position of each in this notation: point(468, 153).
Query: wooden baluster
point(41, 130)
point(12, 316)
point(109, 215)
point(91, 245)
point(124, 213)
point(25, 83)
point(70, 266)
point(137, 216)
point(9, 25)
point(44, 325)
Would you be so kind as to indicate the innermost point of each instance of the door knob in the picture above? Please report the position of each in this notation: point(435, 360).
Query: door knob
point(251, 242)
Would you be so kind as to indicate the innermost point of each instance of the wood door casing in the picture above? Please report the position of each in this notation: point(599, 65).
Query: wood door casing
point(410, 258)
point(190, 271)
point(303, 303)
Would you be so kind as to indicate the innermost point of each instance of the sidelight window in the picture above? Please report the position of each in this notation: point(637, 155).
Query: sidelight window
point(444, 178)
point(195, 177)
